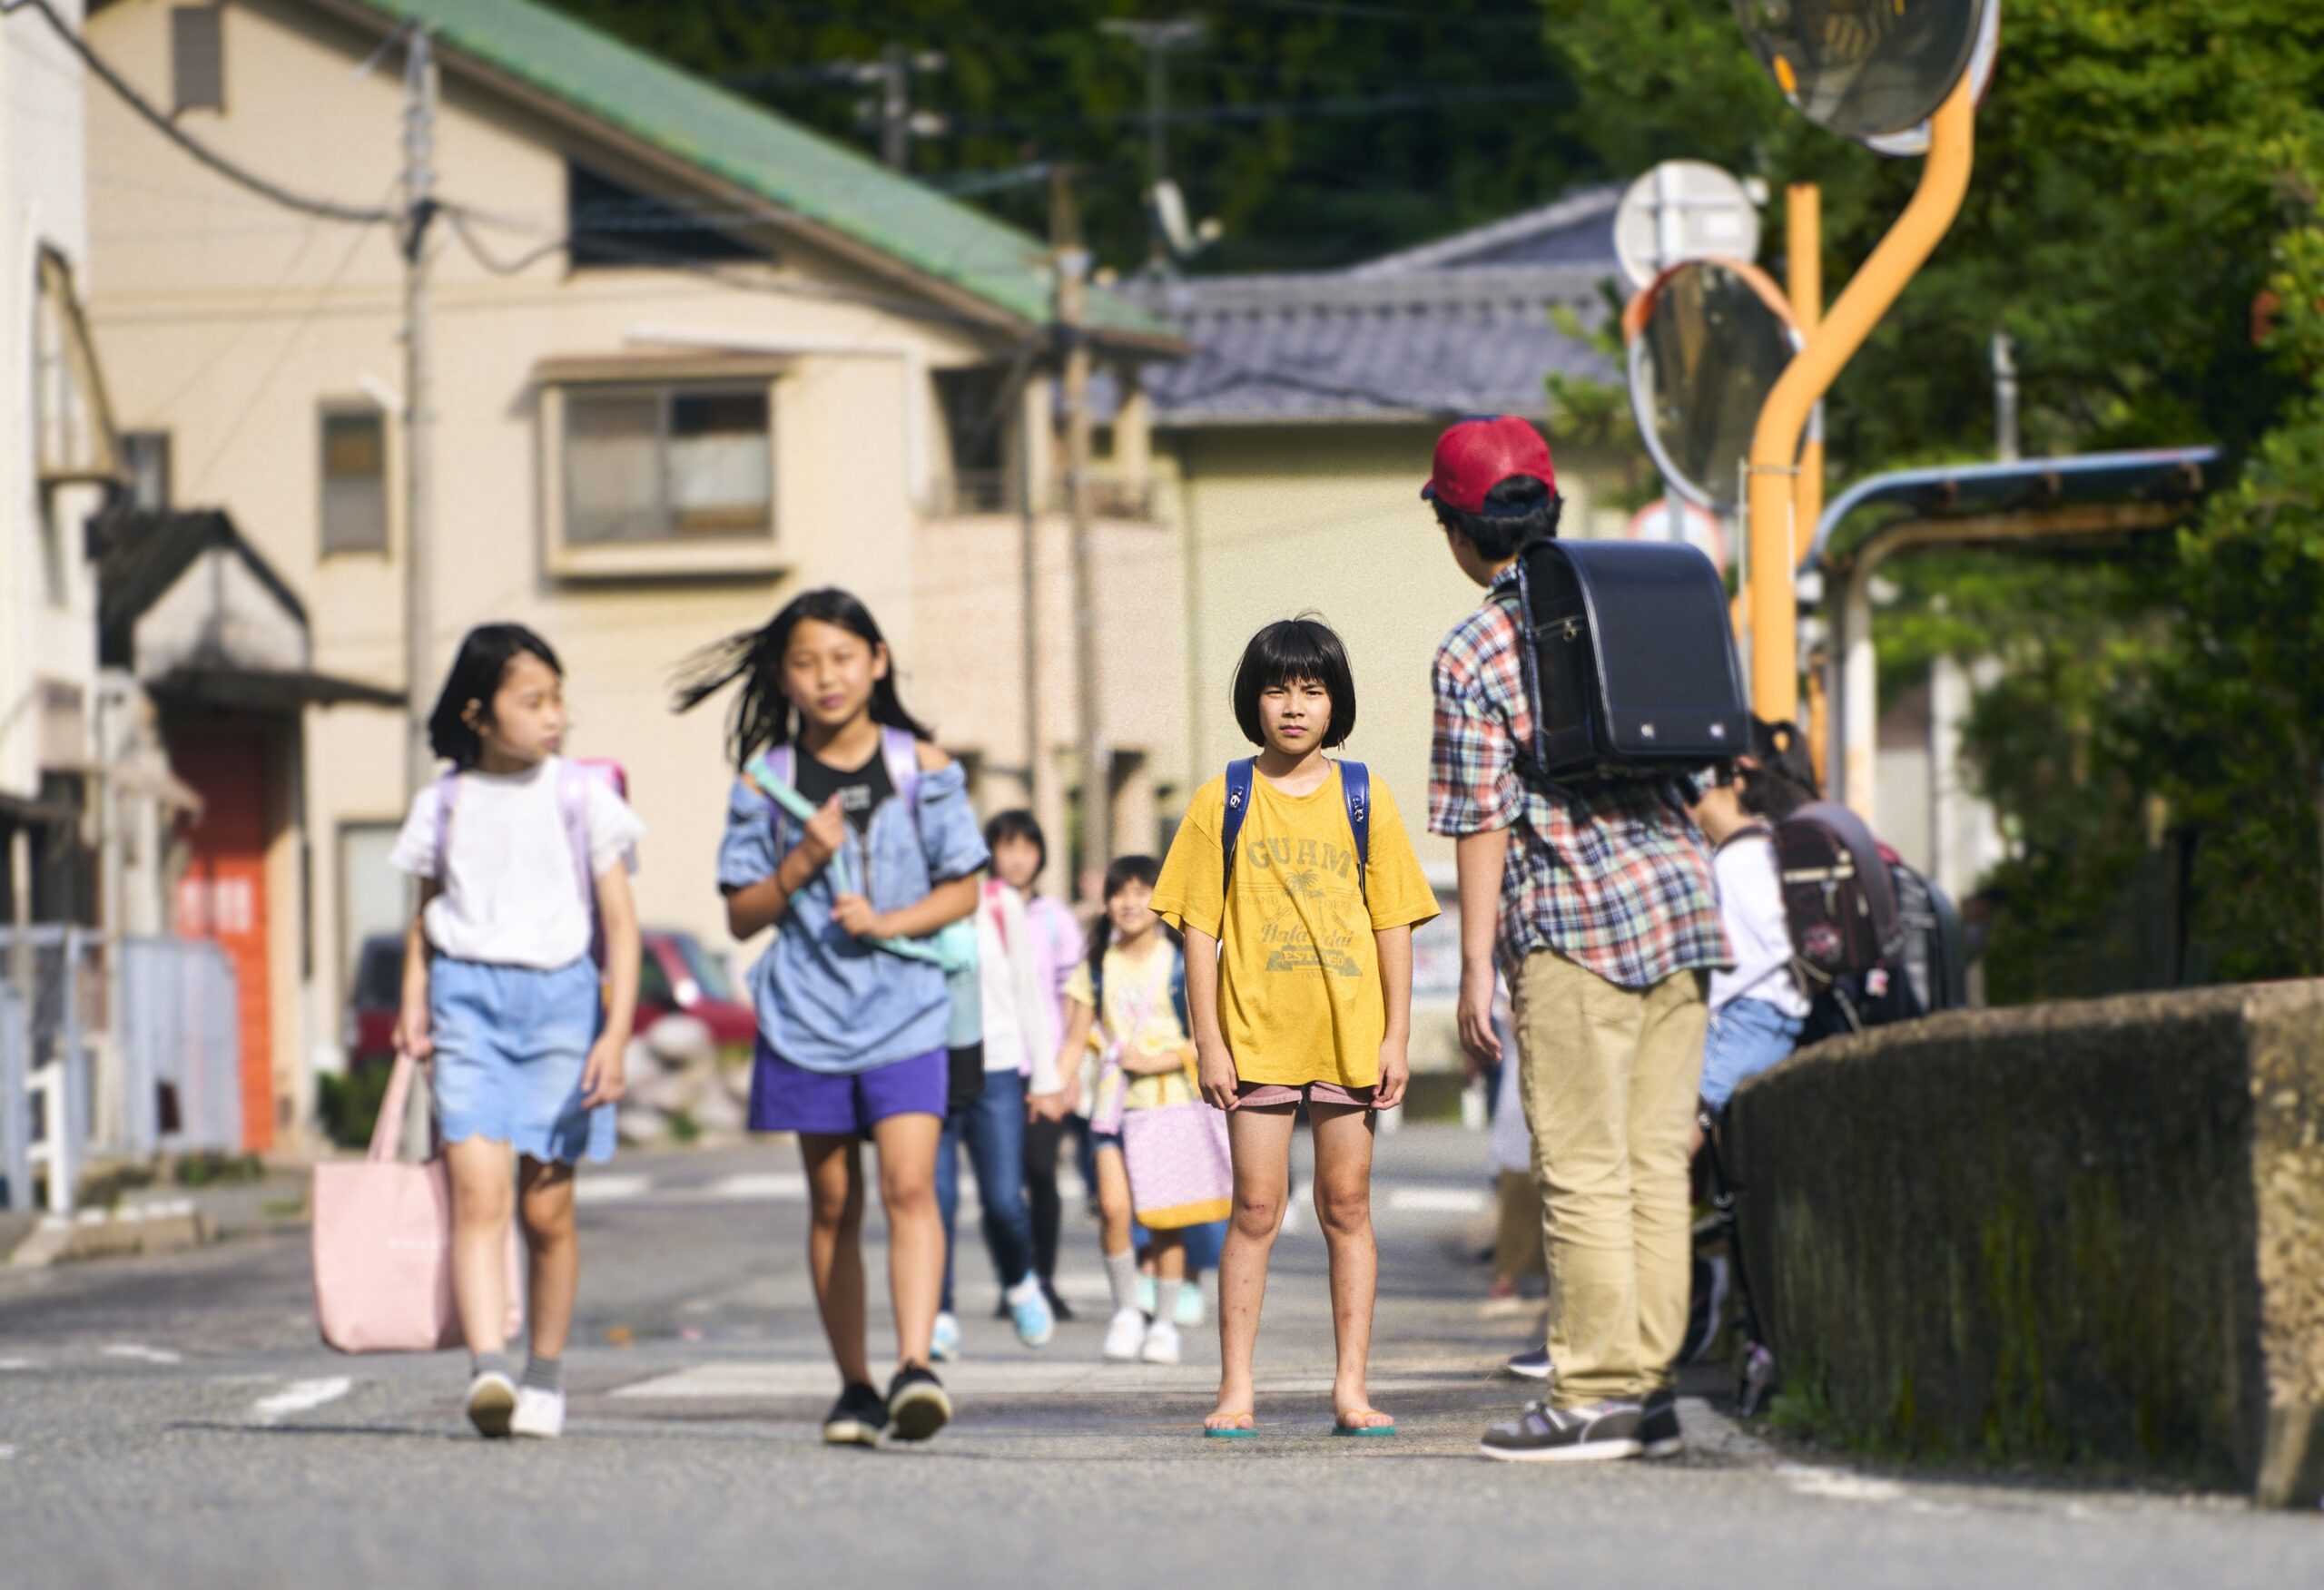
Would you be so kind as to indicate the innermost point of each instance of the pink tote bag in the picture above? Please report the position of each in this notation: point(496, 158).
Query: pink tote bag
point(383, 1245)
point(1180, 1173)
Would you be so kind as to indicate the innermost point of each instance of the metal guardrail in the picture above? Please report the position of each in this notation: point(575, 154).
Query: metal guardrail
point(122, 1059)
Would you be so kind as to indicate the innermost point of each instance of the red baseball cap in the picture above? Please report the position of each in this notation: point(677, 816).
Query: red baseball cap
point(1477, 455)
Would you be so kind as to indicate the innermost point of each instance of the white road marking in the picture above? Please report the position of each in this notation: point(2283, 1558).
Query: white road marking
point(762, 1187)
point(1301, 1194)
point(143, 1354)
point(1437, 1200)
point(610, 1188)
point(300, 1396)
point(9, 1366)
point(7, 1453)
point(1837, 1485)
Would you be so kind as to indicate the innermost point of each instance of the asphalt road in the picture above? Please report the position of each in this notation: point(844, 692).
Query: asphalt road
point(174, 1422)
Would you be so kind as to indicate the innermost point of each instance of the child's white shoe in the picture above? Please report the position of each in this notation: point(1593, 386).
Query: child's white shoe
point(1125, 1336)
point(1161, 1343)
point(539, 1412)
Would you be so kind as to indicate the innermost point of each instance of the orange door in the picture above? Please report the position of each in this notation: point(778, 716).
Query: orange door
point(223, 895)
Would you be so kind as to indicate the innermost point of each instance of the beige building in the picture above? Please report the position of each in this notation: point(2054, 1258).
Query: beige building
point(689, 359)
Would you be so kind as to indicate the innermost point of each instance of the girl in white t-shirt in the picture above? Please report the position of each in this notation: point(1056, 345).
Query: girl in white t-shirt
point(523, 859)
point(1757, 1010)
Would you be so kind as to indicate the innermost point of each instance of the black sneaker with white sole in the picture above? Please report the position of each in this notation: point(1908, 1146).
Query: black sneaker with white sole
point(1658, 1435)
point(1594, 1432)
point(917, 1403)
point(858, 1419)
point(1533, 1365)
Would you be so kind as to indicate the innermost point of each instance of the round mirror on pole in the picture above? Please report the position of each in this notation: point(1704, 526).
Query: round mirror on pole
point(1865, 69)
point(1706, 341)
point(1913, 142)
point(1683, 209)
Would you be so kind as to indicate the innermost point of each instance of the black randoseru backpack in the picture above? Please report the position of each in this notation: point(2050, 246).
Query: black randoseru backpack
point(1838, 899)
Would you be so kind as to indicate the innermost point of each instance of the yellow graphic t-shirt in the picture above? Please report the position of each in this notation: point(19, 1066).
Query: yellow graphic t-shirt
point(1299, 971)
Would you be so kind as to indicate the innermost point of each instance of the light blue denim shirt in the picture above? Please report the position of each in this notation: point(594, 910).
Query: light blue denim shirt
point(826, 1000)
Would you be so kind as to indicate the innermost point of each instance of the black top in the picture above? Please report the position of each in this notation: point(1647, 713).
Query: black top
point(861, 789)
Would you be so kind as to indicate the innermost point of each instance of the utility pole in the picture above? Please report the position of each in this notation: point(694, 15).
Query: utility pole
point(2005, 398)
point(1028, 596)
point(890, 79)
point(1071, 264)
point(418, 417)
point(1157, 39)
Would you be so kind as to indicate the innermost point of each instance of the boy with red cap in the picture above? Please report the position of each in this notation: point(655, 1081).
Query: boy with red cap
point(1597, 899)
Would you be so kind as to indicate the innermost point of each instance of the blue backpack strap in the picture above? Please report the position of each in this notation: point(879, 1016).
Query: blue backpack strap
point(1179, 989)
point(1238, 806)
point(1356, 787)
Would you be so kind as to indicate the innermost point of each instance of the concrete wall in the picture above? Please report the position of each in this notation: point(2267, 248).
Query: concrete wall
point(2083, 1232)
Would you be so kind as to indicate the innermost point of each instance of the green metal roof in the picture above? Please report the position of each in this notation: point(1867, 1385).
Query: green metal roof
point(792, 168)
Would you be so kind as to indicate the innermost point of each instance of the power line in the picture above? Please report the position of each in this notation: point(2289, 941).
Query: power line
point(1288, 110)
point(328, 209)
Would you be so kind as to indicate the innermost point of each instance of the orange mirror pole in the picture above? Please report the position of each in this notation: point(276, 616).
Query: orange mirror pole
point(1775, 445)
point(1803, 206)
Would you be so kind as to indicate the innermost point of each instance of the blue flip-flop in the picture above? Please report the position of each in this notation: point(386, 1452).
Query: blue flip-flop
point(1340, 1429)
point(1230, 1433)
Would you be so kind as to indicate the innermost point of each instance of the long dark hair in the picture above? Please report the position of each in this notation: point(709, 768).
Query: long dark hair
point(483, 662)
point(1125, 871)
point(761, 715)
point(1780, 777)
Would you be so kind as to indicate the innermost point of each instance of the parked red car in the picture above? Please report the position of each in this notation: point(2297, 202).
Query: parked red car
point(676, 976)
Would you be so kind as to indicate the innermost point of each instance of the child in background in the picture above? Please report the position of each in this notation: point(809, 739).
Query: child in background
point(1299, 981)
point(852, 1025)
point(1130, 996)
point(1021, 852)
point(1018, 1056)
point(518, 851)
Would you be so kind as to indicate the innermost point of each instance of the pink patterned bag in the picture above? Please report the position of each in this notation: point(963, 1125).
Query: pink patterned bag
point(383, 1245)
point(1180, 1173)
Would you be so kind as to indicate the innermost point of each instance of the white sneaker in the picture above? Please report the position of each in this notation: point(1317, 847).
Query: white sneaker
point(1125, 1336)
point(539, 1412)
point(1161, 1343)
point(492, 1399)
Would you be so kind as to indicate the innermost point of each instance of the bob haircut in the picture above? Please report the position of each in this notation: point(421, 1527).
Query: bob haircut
point(762, 716)
point(1518, 512)
point(1016, 823)
point(483, 662)
point(1285, 653)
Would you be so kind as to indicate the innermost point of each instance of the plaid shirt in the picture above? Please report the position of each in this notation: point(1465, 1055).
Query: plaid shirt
point(1613, 876)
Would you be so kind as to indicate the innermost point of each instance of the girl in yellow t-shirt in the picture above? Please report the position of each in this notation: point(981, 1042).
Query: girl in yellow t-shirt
point(1299, 973)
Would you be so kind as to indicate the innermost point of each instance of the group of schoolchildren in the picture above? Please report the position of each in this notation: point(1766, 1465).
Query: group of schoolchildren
point(918, 995)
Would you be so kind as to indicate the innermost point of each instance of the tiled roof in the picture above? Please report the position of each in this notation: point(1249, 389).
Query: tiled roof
point(743, 143)
point(1471, 324)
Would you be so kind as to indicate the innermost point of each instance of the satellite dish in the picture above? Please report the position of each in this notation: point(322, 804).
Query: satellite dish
point(1913, 142)
point(1864, 69)
point(1683, 209)
point(1707, 340)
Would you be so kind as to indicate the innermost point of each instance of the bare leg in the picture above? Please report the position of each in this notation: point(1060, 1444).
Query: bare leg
point(1113, 1203)
point(906, 1146)
point(835, 1247)
point(1170, 1255)
point(484, 1199)
point(1342, 1135)
point(1260, 1139)
point(556, 1249)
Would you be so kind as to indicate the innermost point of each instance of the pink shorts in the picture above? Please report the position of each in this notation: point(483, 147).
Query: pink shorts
point(1264, 1094)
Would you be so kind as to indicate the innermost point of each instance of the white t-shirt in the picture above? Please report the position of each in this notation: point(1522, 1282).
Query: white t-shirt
point(1750, 903)
point(1004, 1034)
point(511, 894)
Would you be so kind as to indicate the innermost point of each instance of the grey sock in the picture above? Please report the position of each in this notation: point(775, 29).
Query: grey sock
point(1121, 1275)
point(1166, 1302)
point(490, 1363)
point(545, 1374)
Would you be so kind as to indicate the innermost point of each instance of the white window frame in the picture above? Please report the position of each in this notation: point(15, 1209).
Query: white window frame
point(751, 552)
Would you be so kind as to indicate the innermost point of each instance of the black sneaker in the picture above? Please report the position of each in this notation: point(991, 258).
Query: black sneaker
point(1541, 1434)
point(1533, 1365)
point(1658, 1435)
point(917, 1402)
point(858, 1419)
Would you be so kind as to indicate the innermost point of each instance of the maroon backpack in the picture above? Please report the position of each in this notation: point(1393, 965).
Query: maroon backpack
point(1838, 899)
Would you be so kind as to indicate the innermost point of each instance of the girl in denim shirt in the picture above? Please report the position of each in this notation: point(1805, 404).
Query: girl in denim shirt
point(852, 1021)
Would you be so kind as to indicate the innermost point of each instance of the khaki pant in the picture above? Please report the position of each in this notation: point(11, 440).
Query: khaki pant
point(1517, 1236)
point(1608, 1081)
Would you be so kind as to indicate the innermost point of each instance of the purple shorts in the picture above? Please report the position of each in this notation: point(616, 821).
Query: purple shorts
point(791, 1098)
